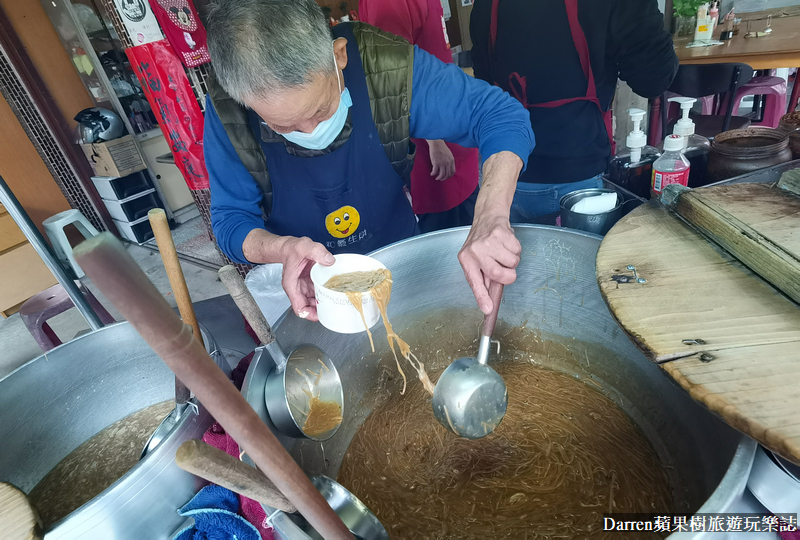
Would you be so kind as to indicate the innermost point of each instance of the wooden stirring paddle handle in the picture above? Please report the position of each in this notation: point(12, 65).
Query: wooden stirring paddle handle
point(18, 518)
point(169, 255)
point(247, 304)
point(119, 278)
point(214, 465)
point(490, 320)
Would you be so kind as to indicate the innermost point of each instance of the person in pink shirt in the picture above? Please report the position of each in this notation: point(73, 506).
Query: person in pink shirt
point(444, 180)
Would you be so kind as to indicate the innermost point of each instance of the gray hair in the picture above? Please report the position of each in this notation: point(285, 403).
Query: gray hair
point(259, 47)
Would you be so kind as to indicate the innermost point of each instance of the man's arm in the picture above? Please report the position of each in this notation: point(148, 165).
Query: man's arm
point(491, 251)
point(479, 22)
point(297, 255)
point(235, 196)
point(239, 227)
point(448, 104)
point(641, 47)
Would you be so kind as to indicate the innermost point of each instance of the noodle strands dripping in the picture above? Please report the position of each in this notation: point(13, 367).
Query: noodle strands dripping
point(356, 299)
point(378, 283)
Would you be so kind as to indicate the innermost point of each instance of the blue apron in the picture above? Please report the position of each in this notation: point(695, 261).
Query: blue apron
point(350, 200)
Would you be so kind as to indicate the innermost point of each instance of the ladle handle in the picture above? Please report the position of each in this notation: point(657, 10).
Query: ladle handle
point(169, 256)
point(214, 465)
point(490, 320)
point(247, 304)
point(112, 269)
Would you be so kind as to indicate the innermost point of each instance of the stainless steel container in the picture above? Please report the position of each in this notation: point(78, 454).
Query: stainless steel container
point(52, 404)
point(592, 223)
point(556, 291)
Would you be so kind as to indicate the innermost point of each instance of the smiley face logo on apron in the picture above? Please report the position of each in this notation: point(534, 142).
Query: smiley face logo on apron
point(343, 222)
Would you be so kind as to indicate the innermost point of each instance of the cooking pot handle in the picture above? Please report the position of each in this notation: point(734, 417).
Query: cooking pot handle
point(247, 305)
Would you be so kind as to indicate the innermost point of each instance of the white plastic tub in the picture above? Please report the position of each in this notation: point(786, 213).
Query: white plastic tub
point(335, 311)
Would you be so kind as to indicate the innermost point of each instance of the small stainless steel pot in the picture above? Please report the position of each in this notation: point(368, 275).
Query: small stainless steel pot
point(593, 223)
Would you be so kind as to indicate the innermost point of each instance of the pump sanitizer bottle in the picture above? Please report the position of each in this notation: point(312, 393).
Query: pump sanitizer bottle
point(696, 148)
point(631, 168)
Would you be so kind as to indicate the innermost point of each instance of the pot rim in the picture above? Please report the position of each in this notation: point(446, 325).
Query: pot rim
point(781, 142)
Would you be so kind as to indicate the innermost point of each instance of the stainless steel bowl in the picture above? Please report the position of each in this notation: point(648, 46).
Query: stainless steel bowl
point(355, 515)
point(309, 372)
point(592, 223)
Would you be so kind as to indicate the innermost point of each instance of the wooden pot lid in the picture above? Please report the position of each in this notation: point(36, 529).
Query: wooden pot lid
point(726, 335)
point(18, 519)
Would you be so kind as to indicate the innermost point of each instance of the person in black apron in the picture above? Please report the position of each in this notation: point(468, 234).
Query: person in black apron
point(333, 188)
point(563, 66)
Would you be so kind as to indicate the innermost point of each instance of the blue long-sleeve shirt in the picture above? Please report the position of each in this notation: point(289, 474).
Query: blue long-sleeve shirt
point(446, 104)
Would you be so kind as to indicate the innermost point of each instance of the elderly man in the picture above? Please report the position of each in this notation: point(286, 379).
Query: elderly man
point(307, 142)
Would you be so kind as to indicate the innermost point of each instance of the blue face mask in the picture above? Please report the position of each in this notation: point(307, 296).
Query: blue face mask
point(327, 130)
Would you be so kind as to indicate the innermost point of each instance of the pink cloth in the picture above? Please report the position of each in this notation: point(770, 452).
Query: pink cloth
point(421, 23)
point(251, 510)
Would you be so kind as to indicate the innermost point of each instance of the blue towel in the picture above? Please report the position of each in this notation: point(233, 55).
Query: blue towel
point(215, 512)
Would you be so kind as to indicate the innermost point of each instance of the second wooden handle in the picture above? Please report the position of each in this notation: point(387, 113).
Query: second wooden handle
point(247, 304)
point(214, 465)
point(166, 246)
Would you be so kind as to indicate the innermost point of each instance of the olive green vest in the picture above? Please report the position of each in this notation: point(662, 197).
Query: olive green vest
point(388, 65)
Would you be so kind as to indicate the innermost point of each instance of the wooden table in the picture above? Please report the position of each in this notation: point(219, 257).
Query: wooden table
point(780, 49)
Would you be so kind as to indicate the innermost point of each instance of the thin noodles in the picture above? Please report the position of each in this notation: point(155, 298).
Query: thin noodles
point(378, 283)
point(564, 455)
point(356, 299)
point(323, 416)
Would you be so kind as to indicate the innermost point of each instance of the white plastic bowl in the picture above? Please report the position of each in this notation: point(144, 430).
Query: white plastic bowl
point(335, 311)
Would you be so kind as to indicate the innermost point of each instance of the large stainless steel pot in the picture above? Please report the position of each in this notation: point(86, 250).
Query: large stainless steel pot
point(52, 404)
point(710, 460)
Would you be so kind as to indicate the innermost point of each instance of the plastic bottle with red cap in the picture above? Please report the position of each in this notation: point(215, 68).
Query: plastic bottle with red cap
point(671, 168)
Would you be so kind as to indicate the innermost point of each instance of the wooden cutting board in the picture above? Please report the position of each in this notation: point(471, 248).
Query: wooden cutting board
point(725, 334)
point(759, 224)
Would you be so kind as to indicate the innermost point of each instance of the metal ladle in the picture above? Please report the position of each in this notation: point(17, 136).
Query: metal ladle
point(290, 385)
point(470, 398)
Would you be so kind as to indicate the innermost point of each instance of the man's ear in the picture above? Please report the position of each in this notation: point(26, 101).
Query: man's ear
point(340, 52)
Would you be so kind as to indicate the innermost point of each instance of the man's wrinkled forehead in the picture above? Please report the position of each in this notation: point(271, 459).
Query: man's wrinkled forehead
point(297, 104)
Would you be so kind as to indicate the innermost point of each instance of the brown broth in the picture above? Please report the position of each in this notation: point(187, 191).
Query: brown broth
point(563, 455)
point(96, 464)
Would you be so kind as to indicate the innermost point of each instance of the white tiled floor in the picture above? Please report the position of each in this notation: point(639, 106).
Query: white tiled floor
point(17, 346)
